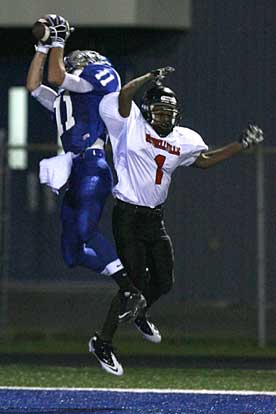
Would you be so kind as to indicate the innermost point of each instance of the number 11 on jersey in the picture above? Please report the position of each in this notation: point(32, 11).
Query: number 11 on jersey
point(69, 121)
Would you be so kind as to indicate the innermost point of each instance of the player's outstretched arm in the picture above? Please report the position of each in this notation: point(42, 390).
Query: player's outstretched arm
point(56, 69)
point(210, 158)
point(59, 32)
point(250, 137)
point(35, 72)
point(129, 90)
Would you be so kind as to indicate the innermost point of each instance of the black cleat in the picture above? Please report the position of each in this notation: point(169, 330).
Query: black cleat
point(131, 304)
point(104, 353)
point(148, 329)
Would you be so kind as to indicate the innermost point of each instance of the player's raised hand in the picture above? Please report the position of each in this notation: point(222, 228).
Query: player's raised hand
point(251, 136)
point(161, 73)
point(52, 30)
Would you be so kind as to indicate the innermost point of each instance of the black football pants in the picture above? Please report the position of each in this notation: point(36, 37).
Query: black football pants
point(144, 248)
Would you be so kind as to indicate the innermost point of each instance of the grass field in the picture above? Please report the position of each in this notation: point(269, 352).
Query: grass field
point(137, 377)
point(88, 374)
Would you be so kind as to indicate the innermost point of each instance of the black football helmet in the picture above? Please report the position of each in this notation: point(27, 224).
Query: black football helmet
point(160, 108)
point(80, 58)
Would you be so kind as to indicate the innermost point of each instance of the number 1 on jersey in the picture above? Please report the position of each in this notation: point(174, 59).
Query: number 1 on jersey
point(159, 159)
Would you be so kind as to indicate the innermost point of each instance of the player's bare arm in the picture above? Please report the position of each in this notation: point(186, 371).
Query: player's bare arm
point(52, 31)
point(56, 70)
point(210, 158)
point(129, 90)
point(250, 137)
point(57, 74)
point(35, 73)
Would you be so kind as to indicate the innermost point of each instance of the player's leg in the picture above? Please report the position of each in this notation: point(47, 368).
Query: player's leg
point(70, 240)
point(160, 262)
point(101, 343)
point(128, 232)
point(94, 184)
point(132, 252)
point(96, 253)
point(82, 242)
point(97, 250)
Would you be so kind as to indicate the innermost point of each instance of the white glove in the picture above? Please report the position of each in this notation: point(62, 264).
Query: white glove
point(57, 30)
point(251, 136)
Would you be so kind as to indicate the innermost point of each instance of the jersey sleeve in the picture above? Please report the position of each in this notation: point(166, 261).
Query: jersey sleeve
point(109, 111)
point(103, 78)
point(45, 96)
point(193, 145)
point(75, 83)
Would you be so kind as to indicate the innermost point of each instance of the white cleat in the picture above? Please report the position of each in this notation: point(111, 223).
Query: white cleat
point(104, 353)
point(148, 330)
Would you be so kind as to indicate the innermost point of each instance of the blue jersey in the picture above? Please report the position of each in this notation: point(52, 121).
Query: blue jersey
point(77, 114)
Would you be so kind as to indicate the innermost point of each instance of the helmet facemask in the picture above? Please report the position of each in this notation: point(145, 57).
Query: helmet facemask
point(163, 118)
point(160, 108)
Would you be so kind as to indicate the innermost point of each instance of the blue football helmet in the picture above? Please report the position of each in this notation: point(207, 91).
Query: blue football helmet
point(80, 58)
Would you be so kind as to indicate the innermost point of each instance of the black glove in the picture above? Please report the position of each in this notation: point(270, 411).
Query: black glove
point(161, 73)
point(57, 30)
point(251, 136)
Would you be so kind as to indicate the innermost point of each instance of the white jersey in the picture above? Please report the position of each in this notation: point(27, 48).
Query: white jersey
point(144, 161)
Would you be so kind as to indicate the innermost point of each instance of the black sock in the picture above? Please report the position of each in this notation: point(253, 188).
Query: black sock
point(111, 322)
point(123, 281)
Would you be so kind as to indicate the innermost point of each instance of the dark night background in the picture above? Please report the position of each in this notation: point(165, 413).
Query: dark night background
point(225, 77)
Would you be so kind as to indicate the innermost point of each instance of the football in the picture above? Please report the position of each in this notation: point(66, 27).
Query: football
point(41, 31)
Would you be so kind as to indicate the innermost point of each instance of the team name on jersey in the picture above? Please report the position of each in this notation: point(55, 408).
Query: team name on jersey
point(164, 145)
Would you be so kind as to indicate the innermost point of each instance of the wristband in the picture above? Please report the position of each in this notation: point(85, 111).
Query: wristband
point(58, 44)
point(41, 48)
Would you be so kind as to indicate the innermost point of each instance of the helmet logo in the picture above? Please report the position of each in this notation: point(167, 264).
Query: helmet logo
point(168, 99)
